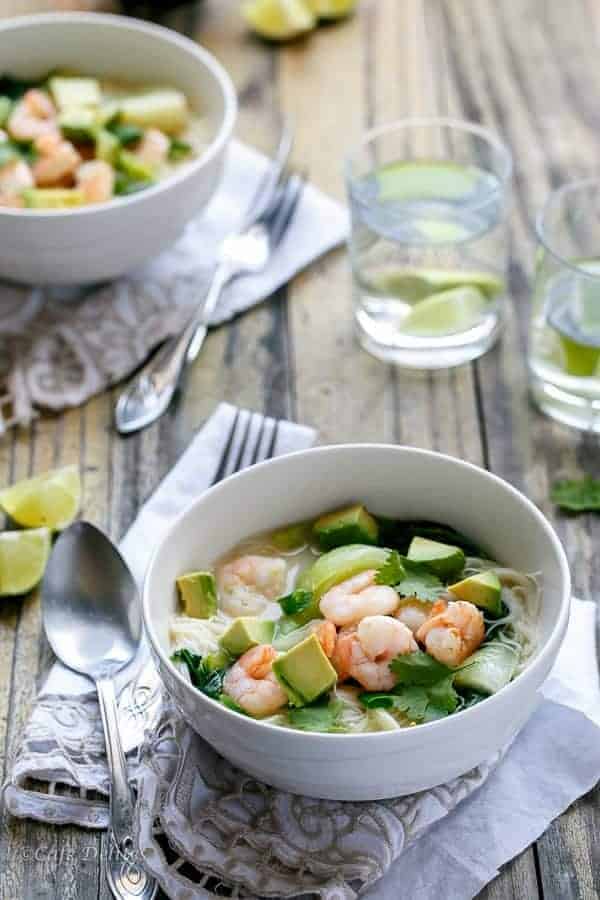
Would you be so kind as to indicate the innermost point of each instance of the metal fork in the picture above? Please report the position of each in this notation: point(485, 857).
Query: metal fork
point(246, 251)
point(252, 439)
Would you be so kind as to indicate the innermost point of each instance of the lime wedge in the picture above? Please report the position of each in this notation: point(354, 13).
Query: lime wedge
point(279, 20)
point(445, 313)
point(332, 9)
point(416, 284)
point(50, 500)
point(436, 231)
point(579, 359)
point(23, 558)
point(426, 180)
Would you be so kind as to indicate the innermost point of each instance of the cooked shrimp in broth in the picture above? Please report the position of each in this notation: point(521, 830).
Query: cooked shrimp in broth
point(321, 626)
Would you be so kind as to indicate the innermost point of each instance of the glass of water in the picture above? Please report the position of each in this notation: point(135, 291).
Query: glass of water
point(428, 246)
point(564, 342)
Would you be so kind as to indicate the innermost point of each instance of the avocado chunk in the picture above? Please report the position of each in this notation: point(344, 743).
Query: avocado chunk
point(488, 669)
point(78, 124)
point(339, 564)
point(304, 672)
point(165, 109)
point(198, 592)
point(246, 632)
point(133, 166)
point(442, 559)
point(483, 589)
point(107, 146)
point(69, 93)
point(53, 198)
point(352, 525)
point(291, 537)
point(215, 661)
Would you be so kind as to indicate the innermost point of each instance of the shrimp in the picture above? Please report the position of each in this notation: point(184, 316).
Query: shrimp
point(413, 612)
point(365, 652)
point(33, 116)
point(58, 160)
point(97, 180)
point(247, 583)
point(15, 177)
point(251, 682)
point(326, 632)
point(351, 600)
point(452, 632)
point(153, 148)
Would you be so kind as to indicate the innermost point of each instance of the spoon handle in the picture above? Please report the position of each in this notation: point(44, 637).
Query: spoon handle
point(121, 802)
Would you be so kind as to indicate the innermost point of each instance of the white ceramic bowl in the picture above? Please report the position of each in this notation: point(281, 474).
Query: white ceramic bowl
point(391, 481)
point(95, 243)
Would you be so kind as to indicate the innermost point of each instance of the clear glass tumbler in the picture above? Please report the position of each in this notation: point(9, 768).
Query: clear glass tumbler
point(428, 248)
point(564, 341)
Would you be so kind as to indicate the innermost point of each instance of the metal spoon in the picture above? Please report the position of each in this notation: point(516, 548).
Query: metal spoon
point(93, 622)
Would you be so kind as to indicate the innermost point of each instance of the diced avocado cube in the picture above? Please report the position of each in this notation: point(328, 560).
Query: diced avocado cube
point(483, 589)
point(107, 146)
point(53, 198)
point(291, 537)
point(352, 525)
point(339, 564)
point(246, 632)
point(68, 92)
point(198, 592)
point(166, 109)
point(442, 559)
point(5, 110)
point(305, 672)
point(133, 166)
point(78, 124)
point(488, 669)
point(218, 660)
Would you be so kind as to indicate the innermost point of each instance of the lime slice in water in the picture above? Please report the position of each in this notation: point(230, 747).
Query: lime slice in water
point(445, 313)
point(579, 359)
point(426, 180)
point(332, 9)
point(279, 20)
point(23, 558)
point(416, 284)
point(51, 500)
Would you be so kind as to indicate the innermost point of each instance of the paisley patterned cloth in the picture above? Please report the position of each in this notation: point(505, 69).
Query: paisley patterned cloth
point(58, 347)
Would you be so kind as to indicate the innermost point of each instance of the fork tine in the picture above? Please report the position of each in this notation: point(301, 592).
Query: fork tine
point(269, 181)
point(286, 209)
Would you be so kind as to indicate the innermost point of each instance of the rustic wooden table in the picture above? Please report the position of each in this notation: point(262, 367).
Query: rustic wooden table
point(530, 70)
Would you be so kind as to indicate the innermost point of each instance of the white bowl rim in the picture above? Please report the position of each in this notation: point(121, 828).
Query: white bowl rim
point(218, 72)
point(550, 647)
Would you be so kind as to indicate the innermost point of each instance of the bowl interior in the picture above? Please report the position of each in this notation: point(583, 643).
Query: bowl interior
point(113, 47)
point(391, 481)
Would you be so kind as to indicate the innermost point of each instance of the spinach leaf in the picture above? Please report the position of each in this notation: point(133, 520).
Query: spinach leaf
point(209, 682)
point(577, 495)
point(296, 602)
point(320, 716)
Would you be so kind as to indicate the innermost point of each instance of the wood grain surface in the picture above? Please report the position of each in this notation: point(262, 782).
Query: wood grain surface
point(530, 69)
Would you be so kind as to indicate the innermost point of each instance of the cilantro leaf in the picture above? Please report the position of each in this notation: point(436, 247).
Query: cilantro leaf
point(320, 716)
point(392, 571)
point(419, 703)
point(421, 584)
point(577, 495)
point(296, 602)
point(419, 668)
point(209, 682)
point(442, 695)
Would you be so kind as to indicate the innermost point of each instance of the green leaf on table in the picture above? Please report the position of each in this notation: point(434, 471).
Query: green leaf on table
point(207, 681)
point(419, 668)
point(296, 602)
point(320, 716)
point(577, 495)
point(392, 571)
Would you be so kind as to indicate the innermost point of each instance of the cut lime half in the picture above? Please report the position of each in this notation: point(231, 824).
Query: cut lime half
point(23, 558)
point(332, 9)
point(445, 313)
point(417, 284)
point(426, 180)
point(579, 359)
point(279, 20)
point(50, 500)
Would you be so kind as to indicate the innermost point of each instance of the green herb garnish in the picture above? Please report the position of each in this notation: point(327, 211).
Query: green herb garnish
point(207, 681)
point(409, 578)
point(296, 602)
point(179, 150)
point(392, 571)
point(424, 692)
point(125, 185)
point(577, 495)
point(321, 716)
point(126, 134)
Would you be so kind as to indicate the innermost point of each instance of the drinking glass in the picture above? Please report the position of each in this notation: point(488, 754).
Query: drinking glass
point(564, 340)
point(428, 248)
